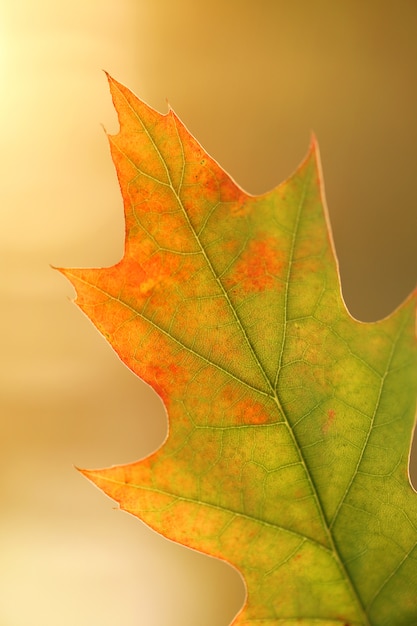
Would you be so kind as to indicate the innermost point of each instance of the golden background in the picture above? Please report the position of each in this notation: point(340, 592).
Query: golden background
point(251, 80)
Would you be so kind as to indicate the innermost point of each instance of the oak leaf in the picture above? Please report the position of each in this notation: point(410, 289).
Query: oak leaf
point(289, 421)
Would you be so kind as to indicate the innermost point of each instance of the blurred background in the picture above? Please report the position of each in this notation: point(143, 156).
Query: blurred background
point(251, 80)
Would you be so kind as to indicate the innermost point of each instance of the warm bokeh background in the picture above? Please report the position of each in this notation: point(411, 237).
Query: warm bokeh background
point(251, 80)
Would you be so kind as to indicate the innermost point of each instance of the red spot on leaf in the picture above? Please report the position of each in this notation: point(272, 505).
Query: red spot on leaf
point(259, 268)
point(242, 409)
point(331, 414)
point(251, 413)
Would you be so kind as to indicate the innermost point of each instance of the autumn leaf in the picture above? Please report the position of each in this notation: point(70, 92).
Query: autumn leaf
point(289, 421)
